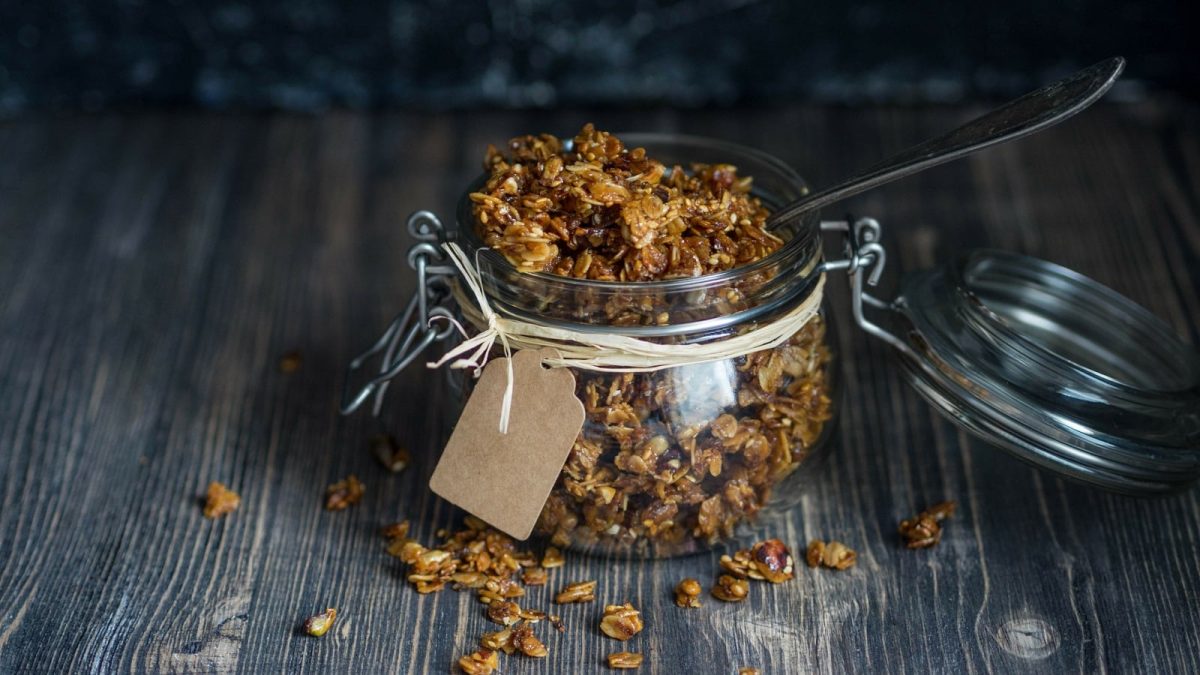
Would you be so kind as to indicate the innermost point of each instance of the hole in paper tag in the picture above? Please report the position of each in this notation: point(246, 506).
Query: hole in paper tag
point(505, 479)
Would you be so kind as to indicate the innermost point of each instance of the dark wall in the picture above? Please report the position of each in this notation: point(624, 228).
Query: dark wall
point(310, 54)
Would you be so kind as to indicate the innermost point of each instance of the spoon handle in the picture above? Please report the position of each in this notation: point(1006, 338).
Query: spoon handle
point(1018, 118)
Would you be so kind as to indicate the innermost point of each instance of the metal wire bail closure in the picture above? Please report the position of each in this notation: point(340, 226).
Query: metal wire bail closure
point(413, 331)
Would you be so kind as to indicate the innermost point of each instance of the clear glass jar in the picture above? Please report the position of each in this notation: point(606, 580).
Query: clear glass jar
point(673, 461)
point(1032, 358)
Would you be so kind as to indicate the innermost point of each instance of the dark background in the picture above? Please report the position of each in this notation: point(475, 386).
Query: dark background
point(316, 54)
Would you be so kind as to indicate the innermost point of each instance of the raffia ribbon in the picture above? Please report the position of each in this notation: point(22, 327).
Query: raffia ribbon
point(606, 352)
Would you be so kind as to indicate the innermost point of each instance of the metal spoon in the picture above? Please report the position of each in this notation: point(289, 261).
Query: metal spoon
point(1018, 118)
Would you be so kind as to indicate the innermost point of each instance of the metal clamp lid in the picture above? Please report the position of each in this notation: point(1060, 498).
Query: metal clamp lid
point(1044, 362)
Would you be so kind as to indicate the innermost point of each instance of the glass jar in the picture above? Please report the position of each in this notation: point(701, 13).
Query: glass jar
point(1033, 358)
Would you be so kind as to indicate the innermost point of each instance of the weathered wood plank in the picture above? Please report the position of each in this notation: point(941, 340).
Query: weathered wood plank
point(155, 267)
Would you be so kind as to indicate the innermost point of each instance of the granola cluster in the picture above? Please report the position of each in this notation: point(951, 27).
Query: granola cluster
point(674, 460)
point(925, 529)
point(600, 210)
point(477, 557)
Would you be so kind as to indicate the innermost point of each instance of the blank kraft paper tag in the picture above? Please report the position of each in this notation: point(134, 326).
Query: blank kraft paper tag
point(505, 478)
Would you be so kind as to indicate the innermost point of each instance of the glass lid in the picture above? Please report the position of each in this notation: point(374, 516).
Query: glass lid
point(1054, 367)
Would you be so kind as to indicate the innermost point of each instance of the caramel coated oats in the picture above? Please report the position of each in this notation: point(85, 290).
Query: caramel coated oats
point(769, 560)
point(687, 593)
point(624, 660)
point(730, 588)
point(476, 557)
point(504, 612)
point(603, 211)
point(925, 530)
point(220, 500)
point(583, 591)
point(621, 622)
point(344, 493)
point(834, 555)
point(482, 662)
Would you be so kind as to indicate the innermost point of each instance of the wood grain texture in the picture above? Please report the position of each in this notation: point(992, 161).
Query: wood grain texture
point(155, 267)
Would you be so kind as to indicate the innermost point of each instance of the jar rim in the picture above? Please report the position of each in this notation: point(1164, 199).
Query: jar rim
point(792, 247)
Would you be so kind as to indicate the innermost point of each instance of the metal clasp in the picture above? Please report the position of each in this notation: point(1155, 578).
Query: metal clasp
point(862, 251)
point(412, 332)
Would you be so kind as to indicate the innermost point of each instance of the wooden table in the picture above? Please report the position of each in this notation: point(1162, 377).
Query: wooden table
point(155, 267)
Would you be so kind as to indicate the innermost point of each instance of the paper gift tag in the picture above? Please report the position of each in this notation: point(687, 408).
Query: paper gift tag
point(505, 478)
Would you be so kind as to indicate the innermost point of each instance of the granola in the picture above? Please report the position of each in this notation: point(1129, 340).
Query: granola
point(220, 500)
point(344, 493)
point(621, 622)
point(477, 557)
point(835, 555)
point(660, 463)
point(687, 593)
point(769, 560)
point(730, 588)
point(624, 660)
point(925, 530)
point(583, 591)
point(482, 662)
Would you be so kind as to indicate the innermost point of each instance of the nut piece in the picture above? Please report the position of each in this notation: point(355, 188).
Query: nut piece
point(482, 662)
point(835, 555)
point(583, 591)
point(838, 556)
point(504, 612)
point(553, 558)
point(344, 493)
point(221, 500)
point(319, 624)
point(924, 530)
point(501, 640)
point(730, 588)
point(687, 593)
point(772, 559)
point(524, 641)
point(815, 553)
point(290, 362)
point(624, 660)
point(389, 453)
point(621, 622)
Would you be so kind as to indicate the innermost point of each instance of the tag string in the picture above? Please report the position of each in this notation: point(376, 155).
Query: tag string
point(602, 352)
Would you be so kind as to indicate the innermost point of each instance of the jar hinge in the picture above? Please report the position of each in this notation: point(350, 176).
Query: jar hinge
point(412, 332)
point(862, 251)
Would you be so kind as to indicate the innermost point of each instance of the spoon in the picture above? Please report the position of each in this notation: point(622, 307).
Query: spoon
point(1016, 119)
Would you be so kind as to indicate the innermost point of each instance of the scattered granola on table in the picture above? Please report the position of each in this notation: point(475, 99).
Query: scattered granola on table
point(687, 593)
point(925, 530)
point(389, 453)
point(621, 622)
point(482, 662)
point(319, 624)
point(834, 555)
point(624, 660)
point(730, 588)
point(505, 613)
point(583, 591)
point(659, 464)
point(220, 500)
point(769, 560)
point(344, 493)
